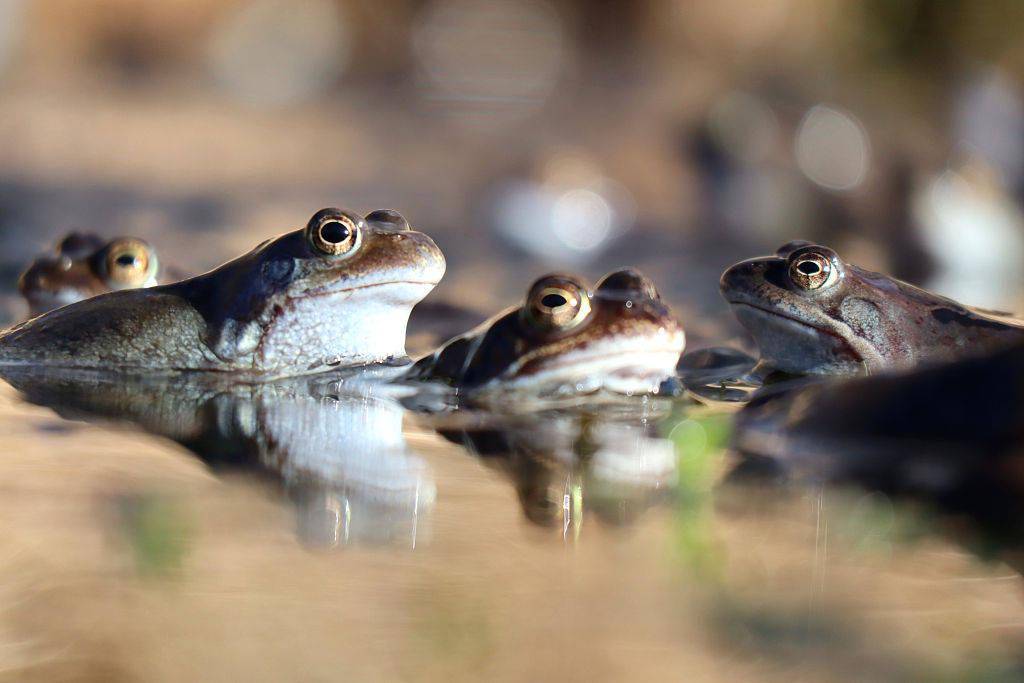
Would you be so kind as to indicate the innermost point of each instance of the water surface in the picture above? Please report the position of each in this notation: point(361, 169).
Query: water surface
point(317, 530)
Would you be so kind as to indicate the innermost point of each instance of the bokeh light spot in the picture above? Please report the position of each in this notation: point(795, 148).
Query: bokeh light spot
point(832, 148)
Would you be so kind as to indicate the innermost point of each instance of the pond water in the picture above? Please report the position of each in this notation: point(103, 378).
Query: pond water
point(316, 529)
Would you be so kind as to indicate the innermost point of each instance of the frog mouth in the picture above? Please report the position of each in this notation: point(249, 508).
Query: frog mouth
point(329, 290)
point(638, 366)
point(840, 343)
point(626, 361)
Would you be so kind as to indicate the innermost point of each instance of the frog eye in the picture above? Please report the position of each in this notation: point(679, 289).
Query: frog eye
point(556, 304)
point(128, 263)
point(812, 269)
point(333, 234)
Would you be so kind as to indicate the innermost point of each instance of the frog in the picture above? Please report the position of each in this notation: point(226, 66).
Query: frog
point(83, 264)
point(564, 341)
point(335, 293)
point(811, 312)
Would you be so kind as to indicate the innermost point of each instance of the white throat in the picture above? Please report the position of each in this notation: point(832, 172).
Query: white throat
point(348, 328)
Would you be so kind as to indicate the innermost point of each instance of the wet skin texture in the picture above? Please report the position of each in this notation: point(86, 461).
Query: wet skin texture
point(84, 265)
point(811, 312)
point(621, 337)
point(336, 293)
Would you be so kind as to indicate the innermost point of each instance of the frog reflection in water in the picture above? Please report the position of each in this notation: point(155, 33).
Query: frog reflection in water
point(336, 293)
point(569, 464)
point(341, 458)
point(85, 265)
point(565, 341)
point(811, 312)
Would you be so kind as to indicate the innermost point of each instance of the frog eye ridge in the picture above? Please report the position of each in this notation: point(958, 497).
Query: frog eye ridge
point(813, 268)
point(128, 263)
point(789, 247)
point(332, 232)
point(556, 303)
point(628, 281)
point(387, 219)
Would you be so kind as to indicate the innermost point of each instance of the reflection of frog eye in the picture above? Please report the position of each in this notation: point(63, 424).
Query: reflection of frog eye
point(129, 263)
point(333, 234)
point(812, 270)
point(557, 304)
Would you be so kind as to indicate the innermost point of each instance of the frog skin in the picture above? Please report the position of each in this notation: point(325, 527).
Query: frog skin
point(84, 265)
point(812, 313)
point(335, 293)
point(565, 341)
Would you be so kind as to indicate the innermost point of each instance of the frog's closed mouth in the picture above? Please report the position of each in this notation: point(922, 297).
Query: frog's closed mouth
point(811, 312)
point(638, 362)
point(337, 292)
point(746, 310)
point(566, 340)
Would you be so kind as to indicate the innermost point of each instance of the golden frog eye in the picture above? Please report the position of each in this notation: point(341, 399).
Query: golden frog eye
point(333, 235)
point(812, 270)
point(557, 305)
point(129, 263)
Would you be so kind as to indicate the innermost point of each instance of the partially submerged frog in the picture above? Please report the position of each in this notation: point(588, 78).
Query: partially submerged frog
point(84, 265)
point(810, 312)
point(950, 435)
point(566, 341)
point(335, 293)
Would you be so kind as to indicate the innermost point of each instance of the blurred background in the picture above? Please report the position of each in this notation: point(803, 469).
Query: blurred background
point(527, 135)
point(678, 136)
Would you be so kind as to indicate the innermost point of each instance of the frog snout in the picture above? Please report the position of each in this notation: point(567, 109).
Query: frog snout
point(741, 277)
point(424, 253)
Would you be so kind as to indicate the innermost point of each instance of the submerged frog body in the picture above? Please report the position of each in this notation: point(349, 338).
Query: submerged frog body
point(812, 313)
point(566, 340)
point(335, 293)
point(950, 436)
point(84, 265)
